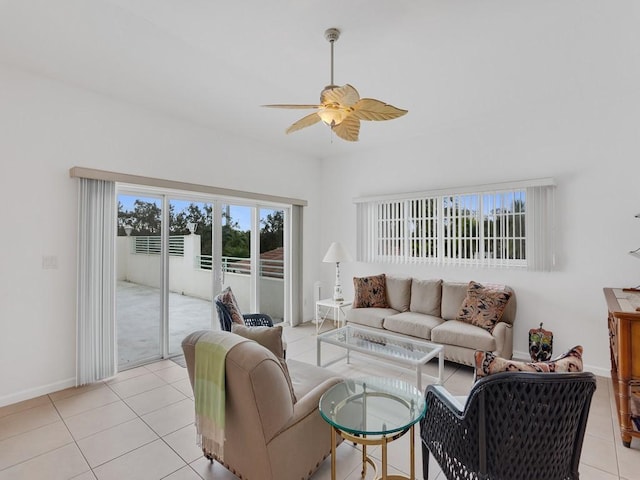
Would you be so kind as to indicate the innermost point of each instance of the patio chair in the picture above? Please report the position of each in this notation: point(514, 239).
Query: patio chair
point(225, 315)
point(525, 426)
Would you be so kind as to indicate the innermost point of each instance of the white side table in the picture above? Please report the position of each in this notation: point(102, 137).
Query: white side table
point(329, 305)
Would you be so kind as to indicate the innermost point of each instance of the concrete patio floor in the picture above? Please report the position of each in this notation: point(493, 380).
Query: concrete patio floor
point(138, 322)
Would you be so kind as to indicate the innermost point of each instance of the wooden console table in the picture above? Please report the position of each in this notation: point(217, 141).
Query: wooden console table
point(624, 335)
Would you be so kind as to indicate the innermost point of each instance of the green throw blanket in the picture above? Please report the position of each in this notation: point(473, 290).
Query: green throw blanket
point(209, 389)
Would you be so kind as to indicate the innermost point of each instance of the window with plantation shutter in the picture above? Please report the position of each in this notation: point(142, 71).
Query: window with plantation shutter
point(505, 225)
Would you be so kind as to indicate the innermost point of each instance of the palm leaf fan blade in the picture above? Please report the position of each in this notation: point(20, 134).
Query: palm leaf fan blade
point(304, 122)
point(372, 109)
point(348, 129)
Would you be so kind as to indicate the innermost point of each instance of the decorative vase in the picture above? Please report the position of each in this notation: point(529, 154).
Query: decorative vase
point(540, 344)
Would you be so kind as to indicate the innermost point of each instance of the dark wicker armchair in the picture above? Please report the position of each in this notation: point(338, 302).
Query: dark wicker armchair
point(250, 319)
point(524, 426)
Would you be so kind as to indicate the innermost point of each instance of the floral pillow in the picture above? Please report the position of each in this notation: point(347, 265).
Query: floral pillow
point(228, 299)
point(483, 306)
point(486, 363)
point(370, 292)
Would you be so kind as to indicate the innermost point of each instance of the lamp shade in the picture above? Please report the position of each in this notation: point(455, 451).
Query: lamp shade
point(337, 253)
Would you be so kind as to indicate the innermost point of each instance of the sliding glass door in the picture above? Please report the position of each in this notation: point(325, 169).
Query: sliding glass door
point(175, 253)
point(253, 258)
point(271, 273)
point(190, 271)
point(237, 261)
point(139, 295)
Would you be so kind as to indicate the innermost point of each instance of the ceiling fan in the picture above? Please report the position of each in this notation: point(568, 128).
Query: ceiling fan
point(341, 107)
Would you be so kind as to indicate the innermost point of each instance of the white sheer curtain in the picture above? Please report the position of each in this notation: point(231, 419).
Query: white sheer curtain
point(96, 347)
point(541, 226)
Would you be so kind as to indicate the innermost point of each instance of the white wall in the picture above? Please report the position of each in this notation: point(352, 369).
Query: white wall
point(588, 141)
point(46, 128)
point(557, 95)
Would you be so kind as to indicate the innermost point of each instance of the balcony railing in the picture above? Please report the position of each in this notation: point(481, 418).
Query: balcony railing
point(266, 268)
point(151, 245)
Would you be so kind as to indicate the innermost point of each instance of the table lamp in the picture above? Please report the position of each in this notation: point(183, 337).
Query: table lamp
point(337, 253)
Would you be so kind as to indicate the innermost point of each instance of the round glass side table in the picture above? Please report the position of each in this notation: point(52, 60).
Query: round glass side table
point(373, 411)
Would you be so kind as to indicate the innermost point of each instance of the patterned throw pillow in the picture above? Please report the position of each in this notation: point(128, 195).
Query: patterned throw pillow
point(488, 363)
point(483, 306)
point(229, 300)
point(370, 292)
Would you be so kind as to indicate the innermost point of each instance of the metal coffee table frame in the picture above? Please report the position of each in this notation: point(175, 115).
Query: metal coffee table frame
point(380, 345)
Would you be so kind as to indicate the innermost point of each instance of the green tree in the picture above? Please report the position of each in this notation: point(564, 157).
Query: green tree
point(272, 232)
point(124, 218)
point(145, 219)
point(201, 218)
point(235, 242)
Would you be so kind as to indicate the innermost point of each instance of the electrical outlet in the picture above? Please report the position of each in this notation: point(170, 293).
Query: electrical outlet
point(49, 262)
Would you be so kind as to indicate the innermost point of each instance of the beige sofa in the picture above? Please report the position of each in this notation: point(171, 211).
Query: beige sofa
point(427, 309)
point(268, 436)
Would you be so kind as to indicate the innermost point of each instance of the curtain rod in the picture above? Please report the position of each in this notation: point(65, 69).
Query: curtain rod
point(539, 182)
point(94, 174)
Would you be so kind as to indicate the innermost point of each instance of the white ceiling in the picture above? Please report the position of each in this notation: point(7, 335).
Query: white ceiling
point(214, 62)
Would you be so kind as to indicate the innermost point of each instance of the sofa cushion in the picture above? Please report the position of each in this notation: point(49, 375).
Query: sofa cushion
point(462, 334)
point(271, 339)
point(484, 305)
point(413, 324)
point(370, 317)
point(426, 296)
point(398, 293)
point(487, 363)
point(370, 292)
point(453, 294)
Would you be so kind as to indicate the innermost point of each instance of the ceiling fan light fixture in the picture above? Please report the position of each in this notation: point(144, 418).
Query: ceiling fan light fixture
point(331, 115)
point(341, 107)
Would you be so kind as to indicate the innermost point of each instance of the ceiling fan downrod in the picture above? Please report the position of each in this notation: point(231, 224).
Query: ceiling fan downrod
point(332, 34)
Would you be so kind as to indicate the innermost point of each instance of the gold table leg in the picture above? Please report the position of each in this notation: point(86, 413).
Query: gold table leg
point(364, 461)
point(384, 458)
point(412, 442)
point(383, 442)
point(333, 453)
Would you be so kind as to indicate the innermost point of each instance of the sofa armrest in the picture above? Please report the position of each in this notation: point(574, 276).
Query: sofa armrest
point(503, 333)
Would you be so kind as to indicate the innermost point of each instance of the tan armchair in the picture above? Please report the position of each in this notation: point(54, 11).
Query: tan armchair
point(267, 435)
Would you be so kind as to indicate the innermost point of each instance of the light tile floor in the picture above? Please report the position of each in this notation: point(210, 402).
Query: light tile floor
point(139, 425)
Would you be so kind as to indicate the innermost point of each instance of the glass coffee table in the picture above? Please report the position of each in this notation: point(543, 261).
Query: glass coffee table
point(379, 344)
point(373, 411)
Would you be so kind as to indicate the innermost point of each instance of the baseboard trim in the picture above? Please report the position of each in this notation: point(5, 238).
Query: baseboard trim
point(36, 392)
